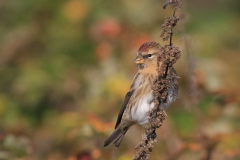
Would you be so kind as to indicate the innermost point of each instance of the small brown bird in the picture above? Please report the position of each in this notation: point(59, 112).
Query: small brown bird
point(140, 97)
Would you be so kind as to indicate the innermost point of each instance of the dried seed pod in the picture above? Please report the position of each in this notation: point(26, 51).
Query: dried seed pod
point(170, 54)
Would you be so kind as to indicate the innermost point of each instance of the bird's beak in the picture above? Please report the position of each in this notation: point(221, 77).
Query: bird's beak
point(139, 60)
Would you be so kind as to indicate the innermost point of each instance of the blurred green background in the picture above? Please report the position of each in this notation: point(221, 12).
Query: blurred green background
point(66, 65)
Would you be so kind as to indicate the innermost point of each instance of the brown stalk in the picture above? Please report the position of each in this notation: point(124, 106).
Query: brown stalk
point(170, 54)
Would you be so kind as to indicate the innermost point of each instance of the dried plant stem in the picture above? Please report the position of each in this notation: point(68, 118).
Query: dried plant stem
point(170, 54)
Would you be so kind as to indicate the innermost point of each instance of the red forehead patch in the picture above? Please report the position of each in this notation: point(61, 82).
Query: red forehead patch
point(145, 47)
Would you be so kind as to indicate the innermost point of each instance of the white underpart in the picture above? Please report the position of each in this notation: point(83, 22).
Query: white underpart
point(143, 106)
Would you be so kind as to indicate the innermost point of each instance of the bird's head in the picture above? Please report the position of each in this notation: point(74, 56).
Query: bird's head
point(147, 57)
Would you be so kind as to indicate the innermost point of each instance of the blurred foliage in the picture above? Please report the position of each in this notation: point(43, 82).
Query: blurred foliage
point(66, 65)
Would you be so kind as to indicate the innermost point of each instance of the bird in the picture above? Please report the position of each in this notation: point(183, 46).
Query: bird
point(139, 100)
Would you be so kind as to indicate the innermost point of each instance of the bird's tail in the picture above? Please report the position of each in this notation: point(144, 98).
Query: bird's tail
point(116, 137)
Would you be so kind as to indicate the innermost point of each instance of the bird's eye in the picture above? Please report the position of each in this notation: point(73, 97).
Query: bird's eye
point(149, 55)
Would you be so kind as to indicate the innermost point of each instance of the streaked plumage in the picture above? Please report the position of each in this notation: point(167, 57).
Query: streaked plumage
point(140, 97)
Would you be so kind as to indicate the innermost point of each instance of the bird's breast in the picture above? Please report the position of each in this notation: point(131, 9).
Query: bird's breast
point(141, 107)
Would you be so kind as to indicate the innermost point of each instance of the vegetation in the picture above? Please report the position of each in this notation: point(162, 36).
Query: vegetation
point(66, 65)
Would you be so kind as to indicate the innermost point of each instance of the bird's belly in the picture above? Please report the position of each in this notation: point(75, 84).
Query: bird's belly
point(144, 105)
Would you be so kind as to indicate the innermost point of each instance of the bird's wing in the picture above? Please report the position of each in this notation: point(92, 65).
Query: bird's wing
point(174, 82)
point(127, 98)
point(173, 90)
point(126, 101)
